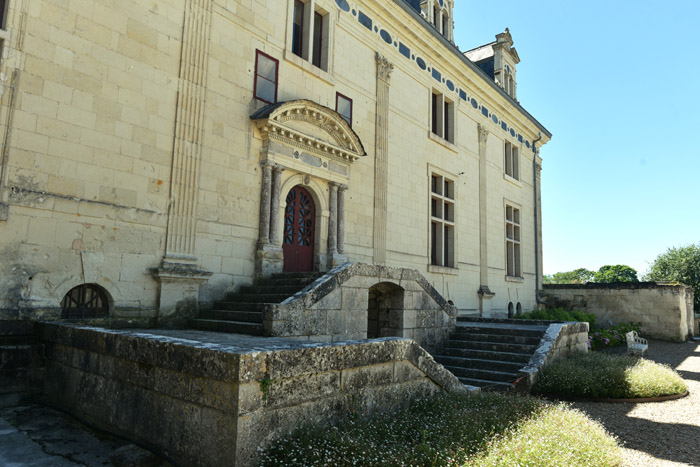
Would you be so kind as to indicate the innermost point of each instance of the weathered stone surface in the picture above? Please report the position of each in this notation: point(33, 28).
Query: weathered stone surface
point(243, 393)
point(665, 310)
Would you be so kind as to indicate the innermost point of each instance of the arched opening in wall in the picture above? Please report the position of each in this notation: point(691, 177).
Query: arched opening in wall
point(510, 310)
point(385, 310)
point(299, 229)
point(84, 302)
point(518, 309)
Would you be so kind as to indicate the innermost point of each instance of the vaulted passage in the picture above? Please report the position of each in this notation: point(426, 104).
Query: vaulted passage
point(385, 310)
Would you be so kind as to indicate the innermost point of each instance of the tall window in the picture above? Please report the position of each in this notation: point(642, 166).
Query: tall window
point(445, 22)
point(442, 116)
point(513, 267)
point(442, 221)
point(343, 105)
point(266, 70)
point(310, 33)
point(298, 28)
point(511, 162)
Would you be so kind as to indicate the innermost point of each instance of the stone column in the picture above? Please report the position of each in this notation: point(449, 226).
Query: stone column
point(333, 218)
point(179, 276)
point(381, 158)
point(484, 291)
point(341, 218)
point(269, 258)
point(265, 202)
point(275, 205)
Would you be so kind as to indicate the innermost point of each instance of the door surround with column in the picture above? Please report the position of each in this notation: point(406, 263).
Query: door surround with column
point(308, 144)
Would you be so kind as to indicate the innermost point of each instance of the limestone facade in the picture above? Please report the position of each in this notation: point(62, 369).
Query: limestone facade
point(151, 148)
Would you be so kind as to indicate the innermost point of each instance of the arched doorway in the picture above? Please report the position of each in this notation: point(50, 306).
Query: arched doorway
point(299, 227)
point(385, 310)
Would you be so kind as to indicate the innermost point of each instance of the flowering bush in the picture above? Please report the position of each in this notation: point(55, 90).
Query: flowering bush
point(453, 430)
point(601, 338)
point(597, 374)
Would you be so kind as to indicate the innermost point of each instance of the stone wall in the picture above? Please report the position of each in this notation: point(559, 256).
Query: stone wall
point(337, 307)
point(211, 404)
point(665, 310)
point(560, 340)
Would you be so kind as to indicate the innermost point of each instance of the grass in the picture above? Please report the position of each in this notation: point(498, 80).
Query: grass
point(597, 374)
point(454, 430)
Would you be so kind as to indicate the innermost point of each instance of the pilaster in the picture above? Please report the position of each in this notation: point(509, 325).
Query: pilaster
point(484, 291)
point(381, 158)
point(269, 257)
point(179, 275)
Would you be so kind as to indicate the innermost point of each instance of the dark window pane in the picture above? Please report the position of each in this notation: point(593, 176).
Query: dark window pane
point(265, 90)
point(298, 28)
point(318, 40)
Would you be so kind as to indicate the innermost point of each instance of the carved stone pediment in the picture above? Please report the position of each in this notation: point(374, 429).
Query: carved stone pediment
point(309, 126)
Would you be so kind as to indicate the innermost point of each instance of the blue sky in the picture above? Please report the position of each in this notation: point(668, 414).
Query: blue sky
point(617, 84)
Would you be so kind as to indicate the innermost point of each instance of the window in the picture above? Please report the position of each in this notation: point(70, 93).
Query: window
point(343, 105)
point(442, 116)
point(445, 24)
point(512, 166)
point(266, 69)
point(298, 27)
point(442, 221)
point(513, 268)
point(310, 33)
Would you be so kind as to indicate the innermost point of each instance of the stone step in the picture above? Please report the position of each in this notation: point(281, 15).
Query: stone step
point(492, 346)
point(487, 385)
point(230, 315)
point(504, 338)
point(299, 282)
point(257, 298)
point(239, 306)
point(481, 364)
point(310, 276)
point(501, 330)
point(485, 375)
point(522, 358)
point(236, 327)
point(289, 290)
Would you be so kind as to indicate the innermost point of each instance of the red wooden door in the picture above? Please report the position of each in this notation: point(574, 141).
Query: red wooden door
point(299, 220)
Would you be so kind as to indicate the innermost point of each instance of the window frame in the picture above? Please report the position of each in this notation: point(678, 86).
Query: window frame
point(511, 161)
point(442, 116)
point(338, 96)
point(513, 261)
point(442, 222)
point(312, 49)
point(258, 53)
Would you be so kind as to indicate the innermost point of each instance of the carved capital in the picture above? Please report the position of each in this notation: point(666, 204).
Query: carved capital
point(538, 168)
point(384, 67)
point(483, 136)
point(342, 187)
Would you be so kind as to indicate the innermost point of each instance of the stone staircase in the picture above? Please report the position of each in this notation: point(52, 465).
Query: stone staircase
point(241, 312)
point(489, 353)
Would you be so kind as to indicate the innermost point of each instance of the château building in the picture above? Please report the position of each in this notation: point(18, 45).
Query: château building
point(159, 155)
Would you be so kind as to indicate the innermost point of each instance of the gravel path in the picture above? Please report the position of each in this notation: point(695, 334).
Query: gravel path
point(662, 433)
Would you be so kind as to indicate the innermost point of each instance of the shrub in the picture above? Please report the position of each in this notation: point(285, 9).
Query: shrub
point(597, 374)
point(448, 429)
point(601, 338)
point(559, 314)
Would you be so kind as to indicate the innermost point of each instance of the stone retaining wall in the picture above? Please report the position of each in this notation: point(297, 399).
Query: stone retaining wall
point(210, 404)
point(665, 310)
point(560, 340)
point(335, 307)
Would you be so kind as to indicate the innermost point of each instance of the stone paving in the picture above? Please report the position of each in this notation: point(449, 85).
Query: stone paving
point(32, 435)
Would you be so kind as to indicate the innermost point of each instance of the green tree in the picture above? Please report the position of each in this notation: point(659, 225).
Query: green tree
point(577, 276)
point(678, 265)
point(616, 273)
